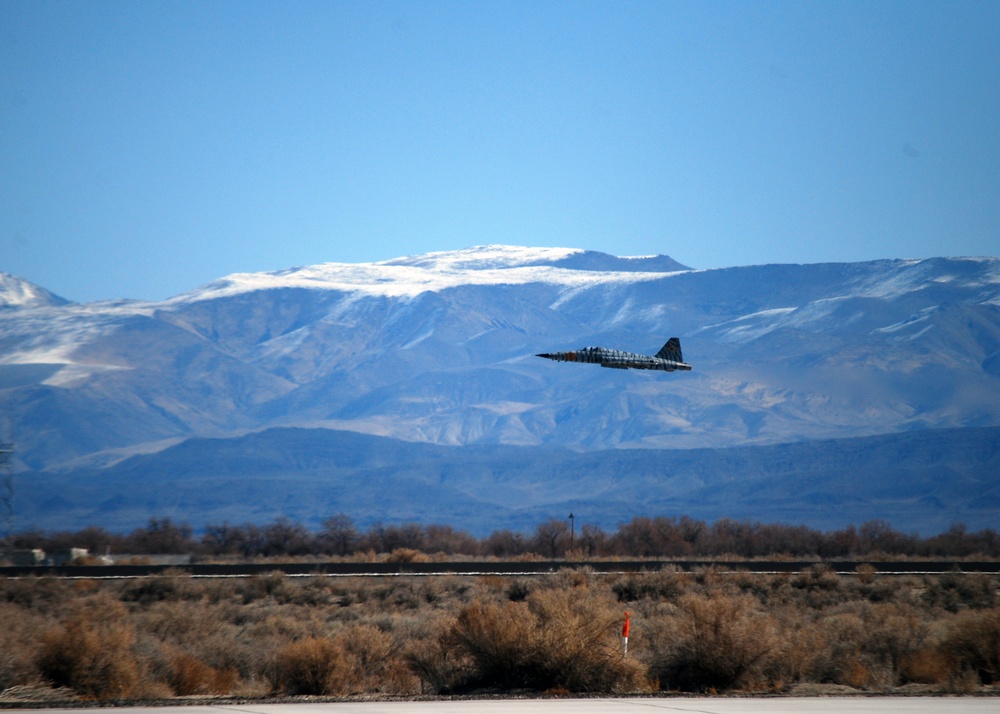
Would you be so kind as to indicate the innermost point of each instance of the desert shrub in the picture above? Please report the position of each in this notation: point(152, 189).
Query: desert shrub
point(43, 595)
point(433, 657)
point(187, 625)
point(836, 657)
point(817, 577)
point(440, 591)
point(225, 637)
point(215, 590)
point(555, 639)
point(894, 636)
point(925, 665)
point(702, 631)
point(708, 576)
point(959, 591)
point(315, 665)
point(760, 586)
point(711, 643)
point(971, 645)
point(407, 555)
point(276, 626)
point(376, 662)
point(151, 589)
point(268, 585)
point(190, 675)
point(518, 590)
point(802, 644)
point(311, 592)
point(362, 659)
point(229, 651)
point(866, 645)
point(881, 590)
point(580, 644)
point(12, 668)
point(500, 640)
point(404, 597)
point(91, 653)
point(18, 644)
point(865, 573)
point(663, 585)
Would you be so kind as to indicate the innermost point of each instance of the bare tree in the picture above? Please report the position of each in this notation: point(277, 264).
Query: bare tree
point(551, 538)
point(504, 543)
point(593, 541)
point(339, 536)
point(161, 536)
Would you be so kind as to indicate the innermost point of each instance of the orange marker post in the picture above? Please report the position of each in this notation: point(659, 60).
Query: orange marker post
point(625, 636)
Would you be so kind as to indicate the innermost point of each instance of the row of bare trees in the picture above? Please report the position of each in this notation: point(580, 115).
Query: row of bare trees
point(661, 537)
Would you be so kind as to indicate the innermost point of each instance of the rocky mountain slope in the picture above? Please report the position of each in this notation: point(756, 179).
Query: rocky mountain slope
point(438, 349)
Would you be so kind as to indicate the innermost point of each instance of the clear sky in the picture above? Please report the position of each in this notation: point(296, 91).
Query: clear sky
point(149, 147)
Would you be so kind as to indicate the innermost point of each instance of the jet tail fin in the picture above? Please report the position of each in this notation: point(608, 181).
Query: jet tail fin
point(671, 350)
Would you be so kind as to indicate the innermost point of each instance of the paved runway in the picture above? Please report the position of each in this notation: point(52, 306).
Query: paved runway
point(696, 705)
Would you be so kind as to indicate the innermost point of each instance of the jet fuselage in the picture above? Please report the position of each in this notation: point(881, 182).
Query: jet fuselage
point(668, 359)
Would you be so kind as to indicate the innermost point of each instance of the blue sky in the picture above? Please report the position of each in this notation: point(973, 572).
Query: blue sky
point(149, 147)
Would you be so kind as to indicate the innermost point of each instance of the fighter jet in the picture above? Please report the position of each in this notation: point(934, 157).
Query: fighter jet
point(667, 359)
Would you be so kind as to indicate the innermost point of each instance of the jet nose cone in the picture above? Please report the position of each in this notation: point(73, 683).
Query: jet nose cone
point(546, 355)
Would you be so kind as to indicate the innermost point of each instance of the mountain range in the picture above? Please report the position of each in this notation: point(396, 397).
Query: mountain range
point(408, 390)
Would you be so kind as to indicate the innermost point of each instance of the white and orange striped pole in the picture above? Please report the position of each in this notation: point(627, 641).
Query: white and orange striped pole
point(625, 635)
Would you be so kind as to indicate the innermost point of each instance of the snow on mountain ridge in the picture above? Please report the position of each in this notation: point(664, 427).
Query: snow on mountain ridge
point(18, 292)
point(431, 272)
point(49, 333)
point(885, 280)
point(484, 257)
point(49, 330)
point(904, 276)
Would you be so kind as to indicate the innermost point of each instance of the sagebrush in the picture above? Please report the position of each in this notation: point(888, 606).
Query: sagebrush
point(711, 630)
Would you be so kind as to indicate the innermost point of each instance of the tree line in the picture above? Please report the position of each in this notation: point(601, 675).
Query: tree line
point(642, 537)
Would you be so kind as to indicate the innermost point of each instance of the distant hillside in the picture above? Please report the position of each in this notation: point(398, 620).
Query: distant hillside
point(920, 482)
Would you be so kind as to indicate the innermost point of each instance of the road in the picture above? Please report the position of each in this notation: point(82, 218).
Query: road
point(696, 705)
point(512, 568)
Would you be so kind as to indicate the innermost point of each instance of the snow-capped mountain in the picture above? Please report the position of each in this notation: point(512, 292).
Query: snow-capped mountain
point(439, 348)
point(17, 292)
